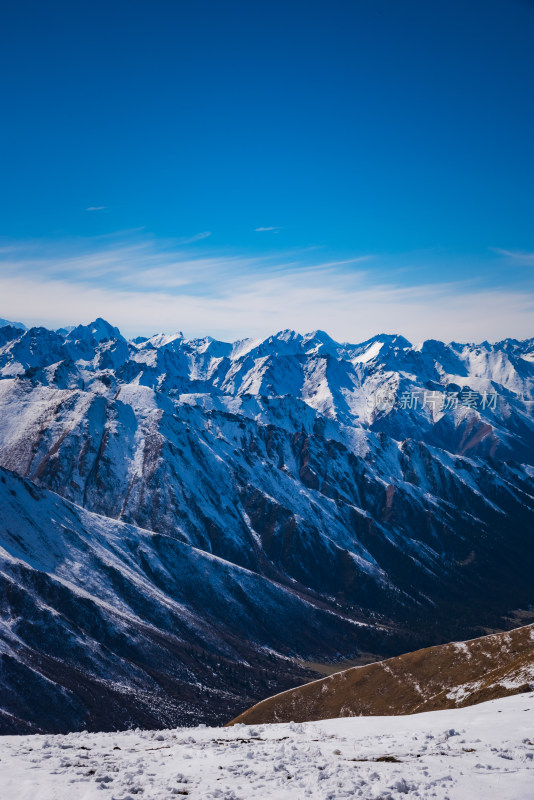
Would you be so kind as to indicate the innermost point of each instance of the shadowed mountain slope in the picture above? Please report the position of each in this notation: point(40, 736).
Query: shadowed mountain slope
point(105, 625)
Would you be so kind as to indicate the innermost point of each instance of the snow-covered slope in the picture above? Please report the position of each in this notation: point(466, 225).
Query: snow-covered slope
point(484, 752)
point(300, 462)
point(446, 676)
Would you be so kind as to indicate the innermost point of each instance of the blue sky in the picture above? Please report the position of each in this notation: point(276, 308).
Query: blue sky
point(235, 167)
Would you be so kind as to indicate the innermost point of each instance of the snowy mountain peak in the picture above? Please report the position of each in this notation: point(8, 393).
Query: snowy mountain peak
point(5, 323)
point(287, 335)
point(96, 331)
point(65, 330)
point(319, 339)
point(391, 339)
point(163, 339)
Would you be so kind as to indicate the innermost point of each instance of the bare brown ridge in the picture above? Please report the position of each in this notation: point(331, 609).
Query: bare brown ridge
point(446, 676)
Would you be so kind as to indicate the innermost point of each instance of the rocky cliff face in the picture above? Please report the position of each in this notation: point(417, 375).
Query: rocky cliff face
point(383, 492)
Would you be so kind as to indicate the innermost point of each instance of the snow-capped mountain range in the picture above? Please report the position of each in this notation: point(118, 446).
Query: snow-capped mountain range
point(193, 522)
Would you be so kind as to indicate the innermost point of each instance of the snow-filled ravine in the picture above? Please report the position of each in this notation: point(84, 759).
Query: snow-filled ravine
point(484, 751)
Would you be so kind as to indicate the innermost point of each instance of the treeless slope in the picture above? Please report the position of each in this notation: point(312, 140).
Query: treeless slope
point(446, 676)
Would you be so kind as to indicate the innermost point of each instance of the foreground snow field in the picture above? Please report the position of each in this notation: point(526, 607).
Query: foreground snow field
point(484, 751)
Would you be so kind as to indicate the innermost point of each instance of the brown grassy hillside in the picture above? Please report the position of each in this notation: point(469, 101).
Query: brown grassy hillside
point(446, 676)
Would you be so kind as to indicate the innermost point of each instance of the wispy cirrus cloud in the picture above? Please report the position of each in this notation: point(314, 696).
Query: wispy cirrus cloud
point(519, 257)
point(96, 208)
point(198, 237)
point(144, 286)
point(272, 229)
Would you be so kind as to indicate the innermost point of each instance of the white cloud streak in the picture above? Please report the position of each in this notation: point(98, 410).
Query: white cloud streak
point(517, 257)
point(143, 290)
point(198, 237)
